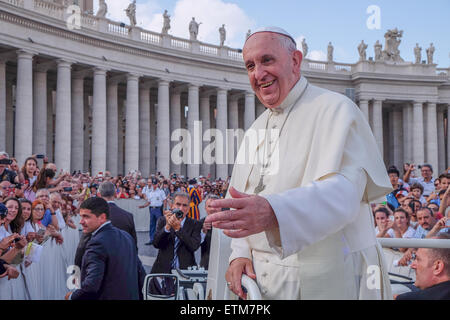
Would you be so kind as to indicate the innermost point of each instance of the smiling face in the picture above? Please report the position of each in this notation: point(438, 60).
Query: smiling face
point(272, 68)
point(13, 209)
point(38, 212)
point(26, 210)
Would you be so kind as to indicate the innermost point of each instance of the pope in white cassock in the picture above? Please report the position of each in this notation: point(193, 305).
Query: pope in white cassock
point(302, 225)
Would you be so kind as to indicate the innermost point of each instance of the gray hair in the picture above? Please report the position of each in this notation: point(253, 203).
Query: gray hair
point(4, 153)
point(107, 189)
point(181, 194)
point(211, 196)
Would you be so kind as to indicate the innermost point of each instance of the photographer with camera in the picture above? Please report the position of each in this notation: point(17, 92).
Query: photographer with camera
point(6, 174)
point(177, 237)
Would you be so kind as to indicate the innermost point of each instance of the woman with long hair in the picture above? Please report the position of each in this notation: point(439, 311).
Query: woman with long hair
point(29, 169)
point(13, 224)
point(41, 182)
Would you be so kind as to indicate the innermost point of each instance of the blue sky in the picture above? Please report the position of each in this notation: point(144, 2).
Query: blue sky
point(320, 21)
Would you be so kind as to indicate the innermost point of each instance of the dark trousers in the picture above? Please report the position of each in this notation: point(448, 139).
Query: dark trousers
point(155, 213)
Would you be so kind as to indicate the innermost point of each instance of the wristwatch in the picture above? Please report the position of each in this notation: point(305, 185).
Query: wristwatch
point(53, 213)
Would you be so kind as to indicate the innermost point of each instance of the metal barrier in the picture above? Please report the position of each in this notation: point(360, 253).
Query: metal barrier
point(250, 285)
point(414, 243)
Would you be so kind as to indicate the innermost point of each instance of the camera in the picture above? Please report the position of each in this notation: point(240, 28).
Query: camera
point(40, 156)
point(18, 186)
point(16, 240)
point(67, 189)
point(8, 162)
point(178, 213)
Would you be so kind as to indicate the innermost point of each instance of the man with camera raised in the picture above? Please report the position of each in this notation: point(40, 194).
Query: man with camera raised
point(177, 237)
point(5, 173)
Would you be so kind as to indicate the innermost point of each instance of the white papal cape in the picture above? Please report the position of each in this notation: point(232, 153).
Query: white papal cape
point(327, 171)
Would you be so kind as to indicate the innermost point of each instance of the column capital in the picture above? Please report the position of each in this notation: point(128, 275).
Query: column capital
point(99, 71)
point(418, 102)
point(62, 63)
point(133, 77)
point(193, 85)
point(249, 94)
point(222, 91)
point(163, 82)
point(26, 53)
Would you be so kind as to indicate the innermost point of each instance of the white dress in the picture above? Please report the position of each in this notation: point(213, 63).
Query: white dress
point(18, 290)
point(5, 284)
point(32, 274)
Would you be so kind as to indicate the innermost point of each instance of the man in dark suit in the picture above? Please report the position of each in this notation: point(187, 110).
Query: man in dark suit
point(432, 273)
point(207, 231)
point(110, 266)
point(119, 218)
point(176, 238)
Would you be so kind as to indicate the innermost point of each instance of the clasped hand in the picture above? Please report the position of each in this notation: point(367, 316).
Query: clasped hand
point(172, 222)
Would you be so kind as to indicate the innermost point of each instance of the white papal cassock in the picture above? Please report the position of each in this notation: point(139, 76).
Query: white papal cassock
point(324, 170)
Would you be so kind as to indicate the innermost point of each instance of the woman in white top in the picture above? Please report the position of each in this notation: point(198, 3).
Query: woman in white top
point(13, 224)
point(384, 223)
point(401, 227)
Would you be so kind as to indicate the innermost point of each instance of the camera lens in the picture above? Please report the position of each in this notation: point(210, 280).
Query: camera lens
point(178, 213)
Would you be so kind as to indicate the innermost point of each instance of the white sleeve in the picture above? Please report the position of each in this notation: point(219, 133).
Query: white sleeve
point(309, 214)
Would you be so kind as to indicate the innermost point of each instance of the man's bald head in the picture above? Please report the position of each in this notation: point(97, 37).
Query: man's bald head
point(273, 66)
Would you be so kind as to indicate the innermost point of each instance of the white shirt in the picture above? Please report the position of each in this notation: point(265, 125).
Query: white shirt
point(155, 197)
point(27, 228)
point(61, 222)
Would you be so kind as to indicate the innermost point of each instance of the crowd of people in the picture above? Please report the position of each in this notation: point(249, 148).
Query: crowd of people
point(417, 208)
point(40, 222)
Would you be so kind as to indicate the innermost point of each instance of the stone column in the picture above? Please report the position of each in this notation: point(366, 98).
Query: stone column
point(249, 113)
point(233, 123)
point(2, 105)
point(195, 143)
point(175, 123)
point(9, 117)
point(418, 133)
point(407, 137)
point(50, 123)
point(432, 139)
point(40, 111)
point(163, 129)
point(378, 124)
point(221, 126)
point(144, 130)
point(441, 141)
point(132, 124)
point(112, 136)
point(364, 106)
point(24, 107)
point(153, 105)
point(120, 138)
point(63, 117)
point(205, 118)
point(86, 132)
point(397, 134)
point(77, 146)
point(99, 129)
